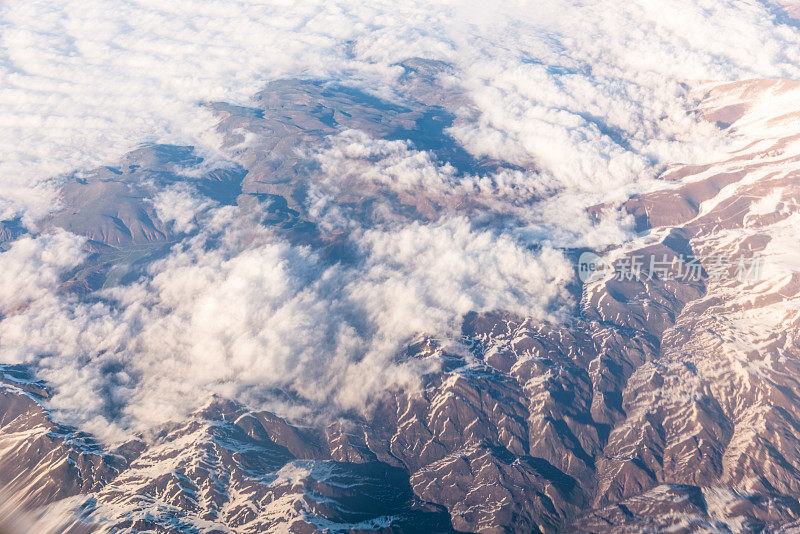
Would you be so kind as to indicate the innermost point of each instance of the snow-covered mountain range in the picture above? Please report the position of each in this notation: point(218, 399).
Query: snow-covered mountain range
point(366, 309)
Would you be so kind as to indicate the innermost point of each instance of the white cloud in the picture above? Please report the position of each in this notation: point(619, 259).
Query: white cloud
point(353, 162)
point(32, 268)
point(254, 314)
point(82, 81)
point(180, 205)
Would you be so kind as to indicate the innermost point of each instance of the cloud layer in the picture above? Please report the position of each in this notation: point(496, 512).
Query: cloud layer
point(589, 90)
point(590, 99)
point(253, 315)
